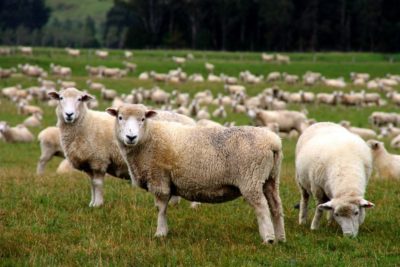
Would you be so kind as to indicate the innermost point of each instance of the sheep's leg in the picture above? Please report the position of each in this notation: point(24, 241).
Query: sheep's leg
point(258, 201)
point(329, 216)
point(162, 225)
point(317, 217)
point(175, 200)
point(303, 206)
point(97, 181)
point(44, 158)
point(271, 192)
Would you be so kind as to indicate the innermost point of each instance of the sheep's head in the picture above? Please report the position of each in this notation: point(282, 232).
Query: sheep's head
point(3, 126)
point(349, 213)
point(375, 145)
point(130, 122)
point(71, 104)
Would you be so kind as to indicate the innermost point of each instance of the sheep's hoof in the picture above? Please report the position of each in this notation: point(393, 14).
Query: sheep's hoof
point(160, 234)
point(269, 242)
point(96, 204)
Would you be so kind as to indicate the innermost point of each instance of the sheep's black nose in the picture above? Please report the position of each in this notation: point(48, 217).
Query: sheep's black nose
point(131, 137)
point(69, 114)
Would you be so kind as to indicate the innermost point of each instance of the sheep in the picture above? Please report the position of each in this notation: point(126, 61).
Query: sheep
point(386, 165)
point(209, 67)
point(17, 134)
point(395, 143)
point(144, 76)
point(179, 60)
point(73, 52)
point(102, 54)
point(87, 139)
point(334, 166)
point(273, 76)
point(337, 83)
point(60, 70)
point(220, 164)
point(66, 84)
point(203, 114)
point(390, 131)
point(128, 54)
point(267, 58)
point(362, 132)
point(65, 167)
point(108, 94)
point(50, 146)
point(282, 59)
point(159, 96)
point(130, 66)
point(35, 120)
point(26, 50)
point(382, 118)
point(290, 79)
point(287, 120)
point(235, 89)
point(26, 109)
point(95, 86)
point(213, 78)
point(94, 71)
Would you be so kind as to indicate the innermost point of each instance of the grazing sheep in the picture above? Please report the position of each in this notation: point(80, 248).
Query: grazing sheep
point(209, 67)
point(386, 165)
point(287, 120)
point(218, 165)
point(382, 118)
point(26, 50)
point(35, 120)
point(102, 54)
point(128, 54)
point(73, 52)
point(179, 60)
point(208, 123)
point(17, 134)
point(95, 86)
point(273, 76)
point(267, 57)
point(282, 59)
point(50, 146)
point(364, 133)
point(108, 94)
point(26, 109)
point(334, 166)
point(87, 139)
point(219, 112)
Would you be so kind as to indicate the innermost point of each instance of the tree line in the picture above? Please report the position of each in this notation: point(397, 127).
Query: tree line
point(254, 25)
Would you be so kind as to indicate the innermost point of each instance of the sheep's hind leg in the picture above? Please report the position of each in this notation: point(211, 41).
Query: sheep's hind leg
point(97, 181)
point(44, 158)
point(258, 201)
point(271, 192)
point(162, 225)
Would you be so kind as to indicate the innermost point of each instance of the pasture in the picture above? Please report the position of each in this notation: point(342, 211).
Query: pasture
point(45, 220)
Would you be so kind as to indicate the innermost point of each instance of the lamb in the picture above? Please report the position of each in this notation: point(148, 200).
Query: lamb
point(386, 165)
point(334, 166)
point(17, 134)
point(219, 165)
point(35, 120)
point(50, 146)
point(97, 153)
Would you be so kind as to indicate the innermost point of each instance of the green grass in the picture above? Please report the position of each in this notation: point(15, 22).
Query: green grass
point(46, 221)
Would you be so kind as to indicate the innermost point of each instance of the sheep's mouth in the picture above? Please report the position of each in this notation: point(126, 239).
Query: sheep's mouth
point(130, 143)
point(69, 120)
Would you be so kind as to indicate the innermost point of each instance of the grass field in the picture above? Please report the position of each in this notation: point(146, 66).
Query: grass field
point(46, 221)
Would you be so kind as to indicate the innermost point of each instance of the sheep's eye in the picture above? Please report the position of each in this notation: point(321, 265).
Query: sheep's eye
point(336, 214)
point(356, 213)
point(80, 99)
point(61, 98)
point(120, 118)
point(143, 119)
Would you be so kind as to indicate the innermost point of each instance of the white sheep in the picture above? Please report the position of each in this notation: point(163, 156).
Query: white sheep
point(87, 139)
point(50, 146)
point(17, 134)
point(334, 166)
point(35, 120)
point(287, 120)
point(386, 165)
point(218, 165)
point(395, 143)
point(364, 133)
point(65, 167)
point(209, 67)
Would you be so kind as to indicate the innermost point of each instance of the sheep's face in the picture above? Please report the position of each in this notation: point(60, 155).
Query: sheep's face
point(3, 127)
point(130, 122)
point(71, 103)
point(348, 214)
point(375, 145)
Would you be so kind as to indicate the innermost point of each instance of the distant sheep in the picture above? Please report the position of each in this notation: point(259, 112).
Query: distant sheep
point(17, 134)
point(386, 165)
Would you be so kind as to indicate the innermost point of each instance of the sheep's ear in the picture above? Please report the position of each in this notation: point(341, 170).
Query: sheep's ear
point(375, 145)
point(150, 114)
point(325, 206)
point(366, 204)
point(86, 97)
point(54, 95)
point(112, 112)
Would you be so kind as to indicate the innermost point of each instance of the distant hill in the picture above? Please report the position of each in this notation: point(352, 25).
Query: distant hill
point(78, 10)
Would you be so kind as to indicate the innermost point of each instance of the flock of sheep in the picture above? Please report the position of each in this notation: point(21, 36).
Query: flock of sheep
point(177, 150)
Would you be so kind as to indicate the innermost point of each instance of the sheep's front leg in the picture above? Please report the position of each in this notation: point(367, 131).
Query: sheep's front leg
point(97, 181)
point(162, 225)
point(317, 218)
point(271, 192)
